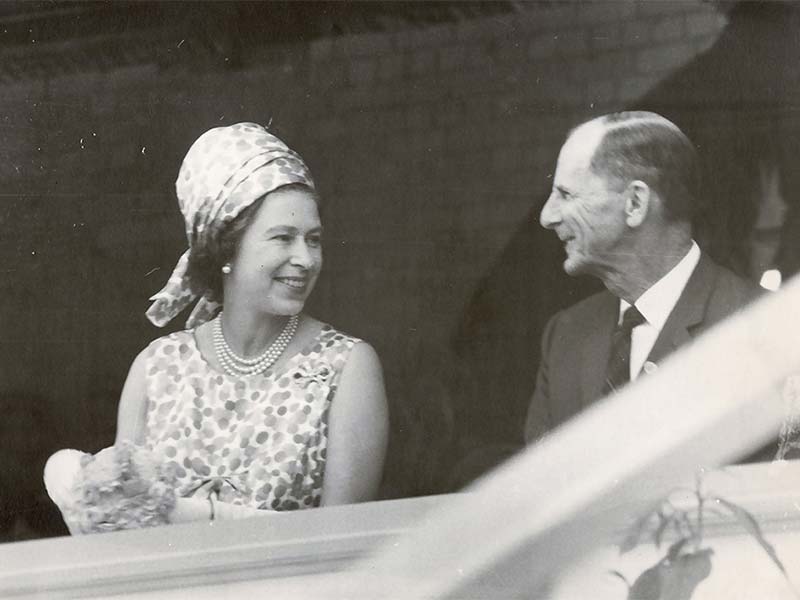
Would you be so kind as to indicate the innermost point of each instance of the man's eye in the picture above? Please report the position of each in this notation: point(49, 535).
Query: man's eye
point(314, 240)
point(283, 237)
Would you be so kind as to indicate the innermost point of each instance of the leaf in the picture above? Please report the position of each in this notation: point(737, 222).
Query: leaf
point(636, 532)
point(680, 577)
point(675, 548)
point(674, 577)
point(664, 521)
point(647, 585)
point(688, 520)
point(678, 523)
point(622, 577)
point(750, 524)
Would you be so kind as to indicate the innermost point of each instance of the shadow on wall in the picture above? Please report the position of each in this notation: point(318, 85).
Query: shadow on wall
point(422, 429)
point(28, 439)
point(498, 344)
point(734, 101)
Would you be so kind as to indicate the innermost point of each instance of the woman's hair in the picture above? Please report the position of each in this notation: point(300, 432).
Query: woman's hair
point(206, 262)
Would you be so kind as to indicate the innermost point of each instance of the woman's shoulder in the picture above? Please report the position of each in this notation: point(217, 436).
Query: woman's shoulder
point(325, 344)
point(177, 343)
point(326, 335)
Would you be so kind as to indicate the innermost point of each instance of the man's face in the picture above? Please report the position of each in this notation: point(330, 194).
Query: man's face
point(584, 210)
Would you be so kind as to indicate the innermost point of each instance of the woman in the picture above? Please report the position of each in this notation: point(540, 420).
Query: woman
point(261, 406)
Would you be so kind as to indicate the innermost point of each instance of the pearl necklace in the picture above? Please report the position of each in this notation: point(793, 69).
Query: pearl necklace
point(236, 366)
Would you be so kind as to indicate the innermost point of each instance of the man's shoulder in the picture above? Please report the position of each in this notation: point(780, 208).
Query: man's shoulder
point(732, 289)
point(589, 308)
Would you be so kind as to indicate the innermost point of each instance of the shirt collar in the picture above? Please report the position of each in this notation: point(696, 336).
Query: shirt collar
point(658, 301)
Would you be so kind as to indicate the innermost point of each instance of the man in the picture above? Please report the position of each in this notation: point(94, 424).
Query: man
point(624, 190)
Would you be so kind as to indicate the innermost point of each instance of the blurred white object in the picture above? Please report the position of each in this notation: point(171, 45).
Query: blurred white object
point(60, 472)
point(59, 475)
point(771, 280)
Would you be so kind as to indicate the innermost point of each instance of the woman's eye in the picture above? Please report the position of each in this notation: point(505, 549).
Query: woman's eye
point(314, 240)
point(283, 237)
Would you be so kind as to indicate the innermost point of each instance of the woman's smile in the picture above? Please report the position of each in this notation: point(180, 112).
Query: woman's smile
point(295, 283)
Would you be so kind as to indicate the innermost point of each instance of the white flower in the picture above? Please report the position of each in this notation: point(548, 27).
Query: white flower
point(120, 487)
point(59, 475)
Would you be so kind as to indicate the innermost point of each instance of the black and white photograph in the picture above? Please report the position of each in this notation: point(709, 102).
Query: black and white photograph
point(424, 299)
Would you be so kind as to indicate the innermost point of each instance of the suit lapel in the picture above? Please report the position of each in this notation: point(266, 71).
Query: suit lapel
point(689, 312)
point(596, 348)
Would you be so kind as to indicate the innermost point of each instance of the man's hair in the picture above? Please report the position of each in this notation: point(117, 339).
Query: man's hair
point(646, 146)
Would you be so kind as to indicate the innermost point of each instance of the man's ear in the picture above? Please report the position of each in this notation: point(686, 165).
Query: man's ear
point(638, 202)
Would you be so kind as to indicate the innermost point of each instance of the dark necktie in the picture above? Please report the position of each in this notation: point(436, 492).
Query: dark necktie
point(618, 372)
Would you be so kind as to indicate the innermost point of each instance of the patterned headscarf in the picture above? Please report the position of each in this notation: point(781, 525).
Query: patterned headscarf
point(224, 172)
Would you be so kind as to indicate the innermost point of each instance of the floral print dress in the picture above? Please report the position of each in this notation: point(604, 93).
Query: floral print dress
point(258, 440)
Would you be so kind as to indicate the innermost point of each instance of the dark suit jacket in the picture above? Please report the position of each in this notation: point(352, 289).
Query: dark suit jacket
point(577, 341)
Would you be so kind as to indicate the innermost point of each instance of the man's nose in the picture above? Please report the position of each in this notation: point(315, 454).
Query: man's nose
point(550, 215)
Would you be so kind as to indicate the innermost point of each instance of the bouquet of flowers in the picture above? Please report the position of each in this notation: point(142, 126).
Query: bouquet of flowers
point(120, 487)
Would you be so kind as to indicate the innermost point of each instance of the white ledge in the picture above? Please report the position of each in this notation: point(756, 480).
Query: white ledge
point(278, 545)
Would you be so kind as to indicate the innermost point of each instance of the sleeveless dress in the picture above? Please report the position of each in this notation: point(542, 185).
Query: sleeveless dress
point(257, 440)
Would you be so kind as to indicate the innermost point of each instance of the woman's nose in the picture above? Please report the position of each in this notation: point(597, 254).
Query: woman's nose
point(302, 255)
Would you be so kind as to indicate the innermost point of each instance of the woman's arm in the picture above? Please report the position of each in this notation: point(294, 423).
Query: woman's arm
point(132, 412)
point(193, 509)
point(358, 428)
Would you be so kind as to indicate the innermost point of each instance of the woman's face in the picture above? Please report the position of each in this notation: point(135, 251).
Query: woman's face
point(279, 256)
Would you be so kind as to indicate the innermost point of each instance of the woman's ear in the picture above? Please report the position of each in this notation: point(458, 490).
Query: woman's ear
point(638, 199)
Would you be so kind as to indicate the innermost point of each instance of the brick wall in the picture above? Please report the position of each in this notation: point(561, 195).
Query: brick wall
point(459, 125)
point(430, 147)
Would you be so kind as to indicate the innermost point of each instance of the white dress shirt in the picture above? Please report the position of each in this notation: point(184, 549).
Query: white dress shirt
point(655, 305)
